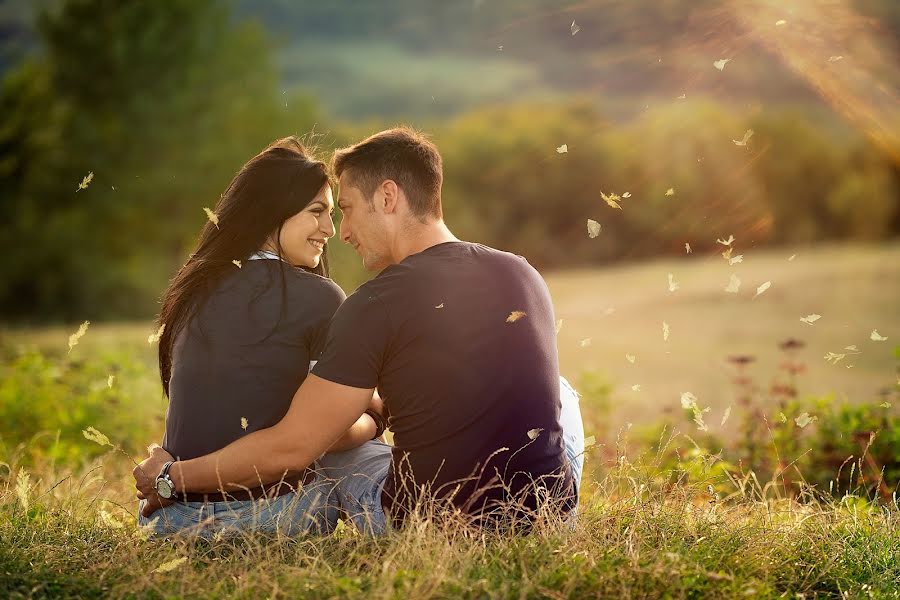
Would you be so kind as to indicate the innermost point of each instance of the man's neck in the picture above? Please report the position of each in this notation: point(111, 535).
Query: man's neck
point(420, 238)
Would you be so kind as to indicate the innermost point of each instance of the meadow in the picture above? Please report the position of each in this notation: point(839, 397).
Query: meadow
point(668, 509)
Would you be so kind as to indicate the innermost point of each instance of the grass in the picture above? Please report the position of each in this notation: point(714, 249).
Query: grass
point(67, 518)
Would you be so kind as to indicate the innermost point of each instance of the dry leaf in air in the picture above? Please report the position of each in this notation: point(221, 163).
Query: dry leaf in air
point(876, 337)
point(562, 149)
point(720, 64)
point(213, 217)
point(763, 287)
point(585, 342)
point(86, 181)
point(244, 423)
point(734, 284)
point(743, 141)
point(76, 337)
point(515, 316)
point(630, 358)
point(665, 331)
point(611, 199)
point(670, 192)
point(593, 228)
point(810, 319)
point(727, 242)
point(154, 337)
point(534, 433)
point(574, 28)
point(636, 387)
point(805, 419)
point(236, 263)
point(673, 285)
point(687, 248)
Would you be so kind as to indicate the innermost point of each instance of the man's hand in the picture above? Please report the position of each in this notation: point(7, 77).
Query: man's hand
point(145, 479)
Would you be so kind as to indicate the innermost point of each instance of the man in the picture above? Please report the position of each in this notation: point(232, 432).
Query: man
point(458, 338)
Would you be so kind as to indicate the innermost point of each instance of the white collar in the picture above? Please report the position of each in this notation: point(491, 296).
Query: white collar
point(265, 255)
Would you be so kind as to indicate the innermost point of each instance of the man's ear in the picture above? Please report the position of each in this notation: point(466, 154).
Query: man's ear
point(391, 192)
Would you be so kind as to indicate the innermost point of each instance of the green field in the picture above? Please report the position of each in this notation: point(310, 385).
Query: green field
point(651, 525)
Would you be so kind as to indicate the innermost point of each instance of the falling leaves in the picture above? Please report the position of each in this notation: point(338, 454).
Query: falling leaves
point(630, 358)
point(515, 316)
point(792, 257)
point(665, 331)
point(636, 387)
point(670, 192)
point(244, 423)
point(611, 199)
point(593, 228)
point(574, 28)
point(805, 419)
point(810, 319)
point(673, 285)
point(834, 358)
point(439, 306)
point(780, 23)
point(885, 405)
point(76, 337)
point(725, 416)
point(95, 436)
point(236, 263)
point(875, 337)
point(626, 195)
point(833, 59)
point(736, 259)
point(170, 566)
point(85, 182)
point(734, 284)
point(852, 348)
point(585, 342)
point(687, 248)
point(727, 242)
point(720, 64)
point(762, 288)
point(589, 441)
point(154, 337)
point(534, 433)
point(562, 149)
point(213, 217)
point(743, 141)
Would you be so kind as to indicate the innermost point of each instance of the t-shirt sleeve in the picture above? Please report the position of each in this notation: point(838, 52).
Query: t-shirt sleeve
point(329, 300)
point(357, 342)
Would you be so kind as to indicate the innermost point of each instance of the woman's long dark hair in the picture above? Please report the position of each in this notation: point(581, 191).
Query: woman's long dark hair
point(273, 186)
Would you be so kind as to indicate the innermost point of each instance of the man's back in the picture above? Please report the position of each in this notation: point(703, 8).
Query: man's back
point(460, 341)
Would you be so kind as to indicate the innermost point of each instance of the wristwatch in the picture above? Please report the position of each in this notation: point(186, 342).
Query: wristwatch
point(165, 487)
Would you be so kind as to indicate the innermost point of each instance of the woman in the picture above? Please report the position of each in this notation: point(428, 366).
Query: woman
point(244, 319)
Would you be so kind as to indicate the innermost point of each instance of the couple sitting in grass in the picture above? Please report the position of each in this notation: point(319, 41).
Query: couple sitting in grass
point(274, 422)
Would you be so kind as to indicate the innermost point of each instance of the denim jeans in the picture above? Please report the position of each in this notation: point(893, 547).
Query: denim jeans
point(359, 474)
point(309, 510)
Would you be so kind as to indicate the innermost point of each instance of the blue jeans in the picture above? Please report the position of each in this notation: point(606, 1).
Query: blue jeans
point(309, 510)
point(359, 474)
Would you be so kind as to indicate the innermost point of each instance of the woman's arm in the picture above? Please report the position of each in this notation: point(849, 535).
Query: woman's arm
point(359, 433)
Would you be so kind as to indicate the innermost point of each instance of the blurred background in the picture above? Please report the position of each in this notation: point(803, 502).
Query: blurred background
point(768, 131)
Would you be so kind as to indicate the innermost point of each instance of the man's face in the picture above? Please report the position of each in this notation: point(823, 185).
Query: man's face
point(363, 226)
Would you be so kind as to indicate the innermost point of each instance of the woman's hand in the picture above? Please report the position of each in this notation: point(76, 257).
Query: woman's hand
point(145, 479)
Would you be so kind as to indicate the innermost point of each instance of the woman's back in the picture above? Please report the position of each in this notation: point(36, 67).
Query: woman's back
point(244, 354)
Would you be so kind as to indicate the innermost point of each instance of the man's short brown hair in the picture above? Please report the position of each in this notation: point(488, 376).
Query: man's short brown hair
point(403, 155)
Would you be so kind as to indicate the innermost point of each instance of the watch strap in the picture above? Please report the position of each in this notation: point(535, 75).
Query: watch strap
point(380, 423)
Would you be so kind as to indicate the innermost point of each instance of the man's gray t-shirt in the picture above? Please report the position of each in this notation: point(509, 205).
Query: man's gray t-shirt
point(460, 341)
point(244, 354)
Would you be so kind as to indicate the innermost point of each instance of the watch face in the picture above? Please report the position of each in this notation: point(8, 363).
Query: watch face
point(164, 488)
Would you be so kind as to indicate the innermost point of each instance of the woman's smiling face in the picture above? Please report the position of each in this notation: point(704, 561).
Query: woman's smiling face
point(303, 236)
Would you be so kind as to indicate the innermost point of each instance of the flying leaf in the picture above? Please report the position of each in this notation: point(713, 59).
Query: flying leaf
point(170, 566)
point(630, 358)
point(626, 195)
point(792, 257)
point(593, 228)
point(687, 248)
point(875, 337)
point(725, 416)
point(832, 59)
point(534, 433)
point(236, 263)
point(734, 284)
point(441, 305)
point(688, 400)
point(636, 387)
point(852, 348)
point(885, 405)
point(780, 23)
point(736, 259)
point(86, 181)
point(589, 441)
point(515, 316)
point(611, 200)
point(682, 97)
point(673, 285)
point(96, 437)
point(244, 423)
point(727, 242)
point(76, 337)
point(154, 337)
point(810, 319)
point(574, 28)
point(585, 342)
point(110, 381)
point(670, 192)
point(562, 149)
point(834, 358)
point(763, 287)
point(727, 253)
point(805, 419)
point(559, 323)
point(665, 331)
point(743, 141)
point(213, 217)
point(720, 64)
